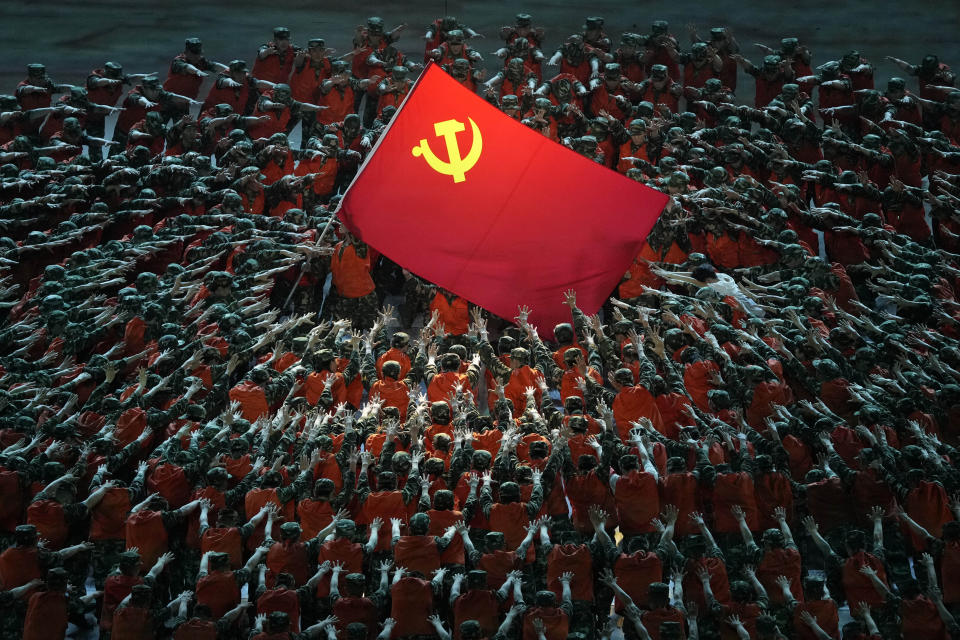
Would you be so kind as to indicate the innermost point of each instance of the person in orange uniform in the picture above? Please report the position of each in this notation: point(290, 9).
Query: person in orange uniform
point(48, 610)
point(351, 265)
point(275, 59)
point(186, 74)
point(311, 68)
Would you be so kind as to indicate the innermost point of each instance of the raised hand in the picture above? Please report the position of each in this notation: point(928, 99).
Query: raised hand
point(703, 573)
point(670, 513)
point(523, 312)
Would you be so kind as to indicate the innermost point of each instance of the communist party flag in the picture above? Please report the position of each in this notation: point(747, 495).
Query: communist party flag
point(474, 201)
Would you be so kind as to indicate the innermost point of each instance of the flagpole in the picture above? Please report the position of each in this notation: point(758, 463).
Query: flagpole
point(335, 213)
point(383, 134)
point(303, 267)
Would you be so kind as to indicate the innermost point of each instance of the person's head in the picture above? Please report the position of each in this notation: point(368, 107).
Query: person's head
point(855, 541)
point(477, 579)
point(323, 489)
point(386, 481)
point(853, 630)
point(449, 362)
point(228, 518)
point(419, 524)
point(773, 539)
point(545, 599)
point(281, 38)
point(623, 376)
point(929, 64)
point(219, 561)
point(443, 500)
point(129, 562)
point(538, 450)
point(586, 463)
point(741, 591)
point(471, 630)
point(629, 463)
point(494, 540)
point(281, 93)
point(951, 531)
point(813, 588)
point(482, 460)
point(509, 103)
point(771, 65)
point(509, 492)
point(439, 412)
point(278, 621)
point(290, 531)
point(456, 38)
point(401, 462)
point(659, 594)
point(354, 584)
point(271, 480)
point(953, 101)
point(141, 595)
point(345, 528)
point(519, 357)
point(629, 43)
point(563, 333)
point(193, 46)
point(36, 71)
point(909, 588)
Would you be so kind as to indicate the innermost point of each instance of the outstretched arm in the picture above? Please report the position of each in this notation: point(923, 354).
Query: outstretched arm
point(814, 532)
point(442, 632)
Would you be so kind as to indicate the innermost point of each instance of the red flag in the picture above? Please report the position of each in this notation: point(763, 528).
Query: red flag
point(464, 196)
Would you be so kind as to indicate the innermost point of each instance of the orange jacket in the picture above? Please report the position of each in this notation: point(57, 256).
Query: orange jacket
point(305, 82)
point(515, 389)
point(313, 387)
point(419, 553)
point(631, 404)
point(132, 623)
point(146, 531)
point(219, 591)
point(442, 384)
point(638, 502)
point(454, 314)
point(397, 356)
point(46, 616)
point(224, 540)
point(634, 574)
point(108, 519)
point(252, 399)
point(289, 557)
point(279, 599)
point(412, 604)
point(341, 550)
point(51, 523)
point(555, 622)
point(351, 273)
point(393, 393)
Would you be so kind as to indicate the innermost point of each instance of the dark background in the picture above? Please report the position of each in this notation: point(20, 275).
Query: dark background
point(74, 36)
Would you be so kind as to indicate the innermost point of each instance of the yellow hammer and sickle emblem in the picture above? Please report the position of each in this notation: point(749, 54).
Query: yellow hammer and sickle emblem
point(457, 166)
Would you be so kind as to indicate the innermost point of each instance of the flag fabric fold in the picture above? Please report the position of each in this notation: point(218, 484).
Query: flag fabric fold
point(474, 201)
